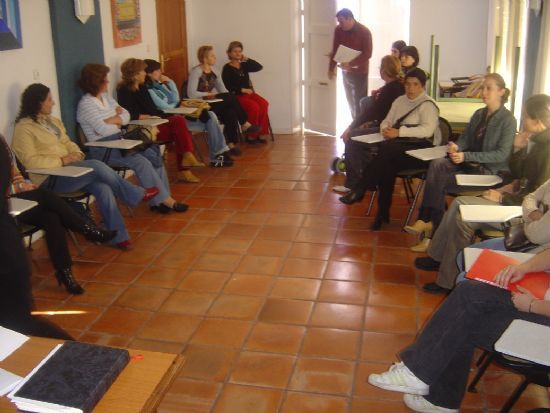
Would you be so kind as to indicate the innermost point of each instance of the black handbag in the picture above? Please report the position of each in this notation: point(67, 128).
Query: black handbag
point(138, 134)
point(516, 240)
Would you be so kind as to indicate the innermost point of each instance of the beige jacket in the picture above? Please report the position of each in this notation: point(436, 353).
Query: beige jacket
point(37, 147)
point(538, 232)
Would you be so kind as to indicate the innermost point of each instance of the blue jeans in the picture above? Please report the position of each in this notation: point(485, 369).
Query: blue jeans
point(214, 135)
point(147, 174)
point(355, 86)
point(473, 315)
point(496, 244)
point(104, 184)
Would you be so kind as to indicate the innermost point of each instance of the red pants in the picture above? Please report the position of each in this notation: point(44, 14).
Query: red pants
point(176, 131)
point(256, 108)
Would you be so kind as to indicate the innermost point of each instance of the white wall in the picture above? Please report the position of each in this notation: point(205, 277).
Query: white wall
point(460, 28)
point(16, 66)
point(147, 49)
point(269, 30)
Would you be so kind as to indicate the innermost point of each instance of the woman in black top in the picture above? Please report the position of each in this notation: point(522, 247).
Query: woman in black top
point(133, 95)
point(358, 154)
point(236, 77)
point(16, 301)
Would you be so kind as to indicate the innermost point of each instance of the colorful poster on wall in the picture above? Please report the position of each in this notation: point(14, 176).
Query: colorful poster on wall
point(126, 22)
point(10, 25)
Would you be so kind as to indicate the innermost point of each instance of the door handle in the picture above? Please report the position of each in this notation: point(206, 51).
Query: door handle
point(323, 83)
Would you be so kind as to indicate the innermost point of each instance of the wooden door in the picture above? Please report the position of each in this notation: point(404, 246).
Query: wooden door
point(172, 35)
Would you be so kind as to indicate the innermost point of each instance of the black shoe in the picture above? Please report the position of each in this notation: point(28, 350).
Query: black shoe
point(426, 264)
point(161, 209)
point(253, 129)
point(378, 221)
point(222, 160)
point(180, 207)
point(95, 234)
point(351, 198)
point(66, 278)
point(235, 151)
point(433, 288)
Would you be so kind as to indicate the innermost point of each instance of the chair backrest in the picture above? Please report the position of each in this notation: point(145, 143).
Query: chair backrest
point(81, 136)
point(442, 133)
point(183, 91)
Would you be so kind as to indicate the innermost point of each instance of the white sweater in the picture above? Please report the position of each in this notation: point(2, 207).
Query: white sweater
point(425, 118)
point(91, 115)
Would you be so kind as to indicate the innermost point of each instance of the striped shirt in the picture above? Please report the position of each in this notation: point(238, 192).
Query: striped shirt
point(91, 115)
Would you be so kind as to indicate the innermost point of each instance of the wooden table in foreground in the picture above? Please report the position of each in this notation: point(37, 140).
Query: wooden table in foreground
point(140, 387)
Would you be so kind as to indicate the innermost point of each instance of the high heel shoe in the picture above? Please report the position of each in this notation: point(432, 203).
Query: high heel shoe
point(96, 234)
point(66, 278)
point(352, 197)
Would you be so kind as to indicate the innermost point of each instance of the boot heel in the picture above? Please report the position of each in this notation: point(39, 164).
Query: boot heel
point(66, 278)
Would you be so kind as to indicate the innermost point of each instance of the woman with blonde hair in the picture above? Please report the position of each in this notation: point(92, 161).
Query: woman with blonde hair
point(206, 83)
point(134, 97)
point(483, 148)
point(358, 154)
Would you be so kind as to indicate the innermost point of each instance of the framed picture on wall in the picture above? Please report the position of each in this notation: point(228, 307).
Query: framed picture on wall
point(126, 17)
point(10, 25)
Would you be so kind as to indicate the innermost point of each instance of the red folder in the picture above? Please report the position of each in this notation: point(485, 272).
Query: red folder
point(488, 265)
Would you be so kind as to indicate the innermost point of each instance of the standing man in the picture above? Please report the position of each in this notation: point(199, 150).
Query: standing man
point(354, 35)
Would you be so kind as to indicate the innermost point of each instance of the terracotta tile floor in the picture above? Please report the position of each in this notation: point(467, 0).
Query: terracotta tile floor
point(278, 295)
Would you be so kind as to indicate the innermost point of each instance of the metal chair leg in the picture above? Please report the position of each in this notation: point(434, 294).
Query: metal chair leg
point(271, 131)
point(414, 202)
point(371, 202)
point(515, 396)
point(487, 361)
point(75, 242)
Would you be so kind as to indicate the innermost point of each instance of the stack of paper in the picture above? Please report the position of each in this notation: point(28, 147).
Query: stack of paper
point(345, 54)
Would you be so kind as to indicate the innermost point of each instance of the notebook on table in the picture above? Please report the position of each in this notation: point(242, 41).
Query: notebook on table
point(71, 379)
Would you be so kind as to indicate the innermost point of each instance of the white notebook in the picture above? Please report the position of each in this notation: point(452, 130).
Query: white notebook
point(370, 138)
point(526, 340)
point(428, 154)
point(478, 180)
point(345, 54)
point(489, 213)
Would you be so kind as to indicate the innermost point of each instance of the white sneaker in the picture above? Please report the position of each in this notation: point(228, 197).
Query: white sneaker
point(420, 404)
point(340, 189)
point(399, 378)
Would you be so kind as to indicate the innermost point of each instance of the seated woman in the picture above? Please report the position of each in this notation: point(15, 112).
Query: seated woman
point(16, 301)
point(101, 118)
point(41, 141)
point(410, 124)
point(235, 75)
point(165, 95)
point(133, 95)
point(358, 154)
point(396, 48)
point(205, 83)
point(54, 216)
point(483, 148)
point(529, 167)
point(434, 370)
point(410, 59)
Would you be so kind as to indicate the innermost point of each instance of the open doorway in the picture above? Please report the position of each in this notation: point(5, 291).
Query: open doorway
point(388, 21)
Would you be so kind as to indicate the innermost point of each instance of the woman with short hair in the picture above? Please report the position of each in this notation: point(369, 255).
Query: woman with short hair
point(101, 119)
point(236, 77)
point(206, 83)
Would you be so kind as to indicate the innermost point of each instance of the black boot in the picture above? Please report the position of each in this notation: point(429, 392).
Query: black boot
point(352, 197)
point(66, 278)
point(96, 234)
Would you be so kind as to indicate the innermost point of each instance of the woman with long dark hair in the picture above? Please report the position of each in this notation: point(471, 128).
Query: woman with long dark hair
point(41, 141)
point(132, 94)
point(16, 302)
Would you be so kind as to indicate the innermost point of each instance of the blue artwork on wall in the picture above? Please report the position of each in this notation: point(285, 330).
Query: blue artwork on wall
point(10, 25)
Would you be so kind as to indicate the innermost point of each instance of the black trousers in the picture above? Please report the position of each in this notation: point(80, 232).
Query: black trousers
point(381, 172)
point(15, 287)
point(358, 156)
point(54, 216)
point(231, 114)
point(474, 315)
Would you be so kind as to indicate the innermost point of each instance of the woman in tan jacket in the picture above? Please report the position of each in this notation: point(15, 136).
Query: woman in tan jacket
point(41, 141)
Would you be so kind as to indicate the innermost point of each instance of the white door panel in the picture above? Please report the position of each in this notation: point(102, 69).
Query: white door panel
point(320, 92)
